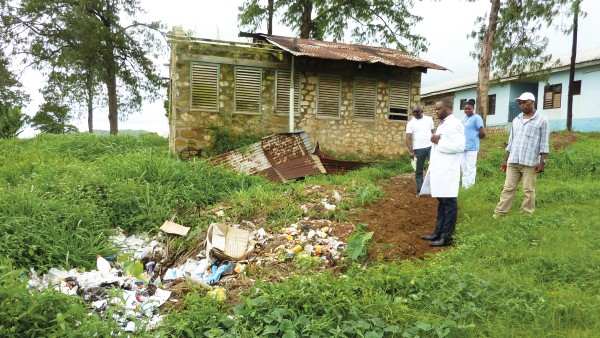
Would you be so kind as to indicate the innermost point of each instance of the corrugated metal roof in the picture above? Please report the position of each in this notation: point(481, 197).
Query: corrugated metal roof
point(283, 157)
point(344, 51)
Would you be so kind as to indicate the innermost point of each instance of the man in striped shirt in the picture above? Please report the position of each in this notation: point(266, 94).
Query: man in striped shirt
point(526, 155)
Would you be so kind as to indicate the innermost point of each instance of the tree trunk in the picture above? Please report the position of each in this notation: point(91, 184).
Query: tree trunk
point(90, 100)
point(111, 76)
point(111, 87)
point(270, 20)
point(572, 68)
point(306, 19)
point(483, 79)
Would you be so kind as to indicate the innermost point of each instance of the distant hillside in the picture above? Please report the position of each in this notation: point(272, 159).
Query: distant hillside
point(128, 132)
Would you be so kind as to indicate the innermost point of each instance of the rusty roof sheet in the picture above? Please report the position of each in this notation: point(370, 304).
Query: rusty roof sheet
point(283, 157)
point(344, 51)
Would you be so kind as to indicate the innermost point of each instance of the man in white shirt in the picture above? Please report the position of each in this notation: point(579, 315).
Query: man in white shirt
point(418, 134)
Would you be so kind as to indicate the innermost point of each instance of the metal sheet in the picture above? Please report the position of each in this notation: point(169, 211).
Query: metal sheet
point(283, 157)
point(343, 51)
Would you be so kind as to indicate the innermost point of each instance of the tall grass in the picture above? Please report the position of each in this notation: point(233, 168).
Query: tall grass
point(60, 196)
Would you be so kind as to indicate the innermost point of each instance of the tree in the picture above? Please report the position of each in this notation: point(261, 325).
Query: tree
point(510, 44)
point(386, 22)
point(89, 37)
point(10, 92)
point(52, 118)
point(12, 121)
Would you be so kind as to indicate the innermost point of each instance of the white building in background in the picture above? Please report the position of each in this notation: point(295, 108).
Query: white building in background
point(551, 94)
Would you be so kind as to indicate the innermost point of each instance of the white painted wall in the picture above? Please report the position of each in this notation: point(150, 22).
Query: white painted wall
point(586, 106)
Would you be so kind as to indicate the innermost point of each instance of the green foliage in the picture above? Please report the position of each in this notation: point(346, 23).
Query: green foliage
point(518, 48)
point(358, 242)
point(10, 92)
point(225, 140)
point(12, 121)
point(384, 22)
point(46, 314)
point(52, 118)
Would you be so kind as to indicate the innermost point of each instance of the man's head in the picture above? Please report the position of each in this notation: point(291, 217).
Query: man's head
point(443, 108)
point(526, 102)
point(417, 112)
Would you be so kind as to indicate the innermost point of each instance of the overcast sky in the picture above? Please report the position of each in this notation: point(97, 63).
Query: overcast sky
point(445, 25)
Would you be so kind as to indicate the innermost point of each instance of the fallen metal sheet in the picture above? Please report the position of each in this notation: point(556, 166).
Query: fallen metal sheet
point(283, 157)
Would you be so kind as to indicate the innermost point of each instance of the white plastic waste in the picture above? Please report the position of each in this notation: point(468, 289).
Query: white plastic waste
point(104, 267)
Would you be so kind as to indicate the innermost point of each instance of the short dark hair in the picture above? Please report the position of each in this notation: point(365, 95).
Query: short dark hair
point(446, 102)
point(471, 102)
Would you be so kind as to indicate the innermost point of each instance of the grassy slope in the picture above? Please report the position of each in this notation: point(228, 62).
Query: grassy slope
point(519, 276)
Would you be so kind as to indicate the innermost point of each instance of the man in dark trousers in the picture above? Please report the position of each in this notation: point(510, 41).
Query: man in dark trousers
point(443, 176)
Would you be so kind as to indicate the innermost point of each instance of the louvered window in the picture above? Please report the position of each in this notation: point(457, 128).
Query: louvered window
point(552, 94)
point(329, 91)
point(248, 85)
point(399, 101)
point(205, 87)
point(365, 99)
point(283, 92)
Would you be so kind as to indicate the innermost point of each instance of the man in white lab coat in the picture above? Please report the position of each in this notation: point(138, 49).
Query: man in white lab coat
point(443, 176)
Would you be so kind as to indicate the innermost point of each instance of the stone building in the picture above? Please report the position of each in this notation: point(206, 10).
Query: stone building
point(351, 99)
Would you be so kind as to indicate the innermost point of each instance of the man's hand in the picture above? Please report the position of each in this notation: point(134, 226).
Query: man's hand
point(503, 166)
point(540, 167)
point(412, 154)
point(435, 139)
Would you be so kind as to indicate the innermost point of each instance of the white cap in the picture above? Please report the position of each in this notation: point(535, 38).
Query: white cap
point(525, 96)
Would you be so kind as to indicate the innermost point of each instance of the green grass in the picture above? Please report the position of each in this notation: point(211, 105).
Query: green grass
point(519, 276)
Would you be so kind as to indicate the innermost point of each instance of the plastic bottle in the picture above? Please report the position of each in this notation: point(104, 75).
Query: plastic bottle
point(104, 267)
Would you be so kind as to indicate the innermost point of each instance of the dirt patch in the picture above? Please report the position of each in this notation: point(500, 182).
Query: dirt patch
point(398, 220)
point(561, 140)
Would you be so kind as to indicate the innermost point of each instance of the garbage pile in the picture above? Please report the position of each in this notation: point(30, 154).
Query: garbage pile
point(228, 251)
point(137, 298)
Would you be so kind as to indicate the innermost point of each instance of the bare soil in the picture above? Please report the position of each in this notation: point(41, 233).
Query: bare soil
point(398, 221)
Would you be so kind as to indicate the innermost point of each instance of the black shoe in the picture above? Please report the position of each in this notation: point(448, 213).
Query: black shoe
point(430, 237)
point(441, 242)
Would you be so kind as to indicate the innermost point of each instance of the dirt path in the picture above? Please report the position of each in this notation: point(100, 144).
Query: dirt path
point(398, 220)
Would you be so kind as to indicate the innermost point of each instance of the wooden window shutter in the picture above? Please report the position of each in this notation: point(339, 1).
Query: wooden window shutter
point(248, 90)
point(557, 93)
point(548, 97)
point(205, 87)
point(329, 92)
point(399, 100)
point(365, 98)
point(282, 105)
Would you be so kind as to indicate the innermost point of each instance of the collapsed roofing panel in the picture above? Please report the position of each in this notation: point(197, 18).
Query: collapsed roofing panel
point(283, 157)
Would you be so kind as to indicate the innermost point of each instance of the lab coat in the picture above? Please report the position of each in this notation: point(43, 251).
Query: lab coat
point(443, 176)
